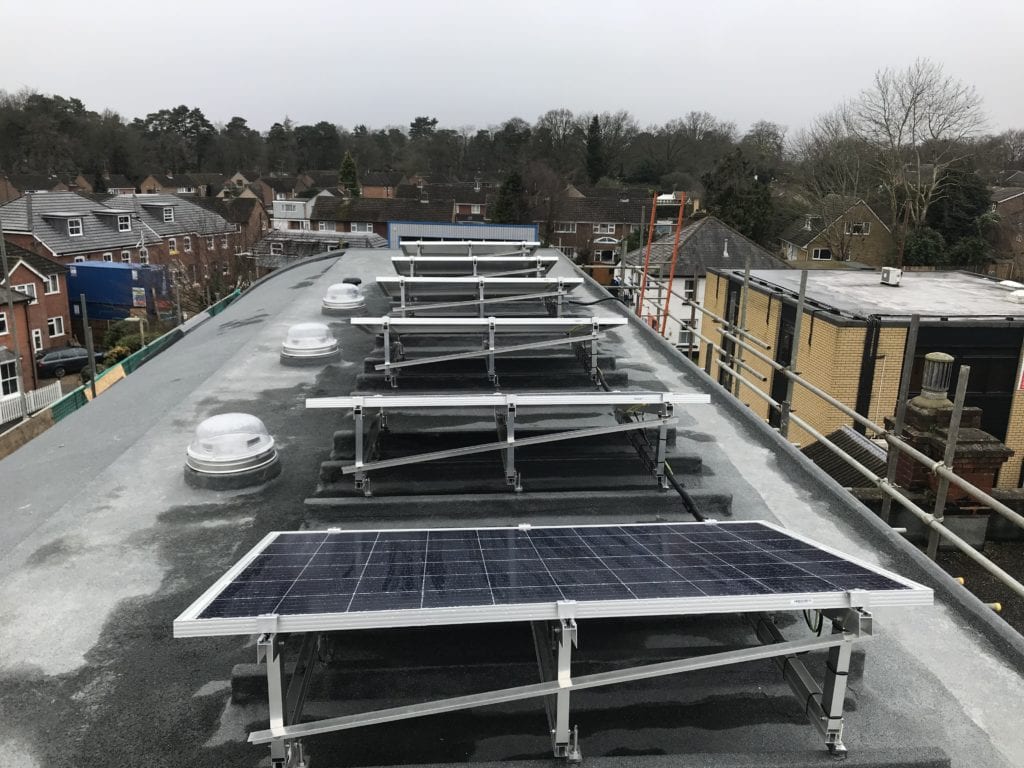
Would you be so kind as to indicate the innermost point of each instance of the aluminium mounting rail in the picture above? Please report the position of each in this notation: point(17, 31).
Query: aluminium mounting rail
point(475, 291)
point(575, 331)
point(506, 408)
point(492, 265)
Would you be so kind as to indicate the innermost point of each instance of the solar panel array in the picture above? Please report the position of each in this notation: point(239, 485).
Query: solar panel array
point(365, 571)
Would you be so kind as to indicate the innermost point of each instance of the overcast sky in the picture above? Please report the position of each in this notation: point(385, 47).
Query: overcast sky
point(383, 62)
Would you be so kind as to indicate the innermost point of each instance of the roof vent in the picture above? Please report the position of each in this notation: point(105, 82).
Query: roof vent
point(309, 343)
point(891, 276)
point(342, 299)
point(232, 450)
point(936, 375)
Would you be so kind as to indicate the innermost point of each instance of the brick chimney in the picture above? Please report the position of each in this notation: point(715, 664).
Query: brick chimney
point(978, 456)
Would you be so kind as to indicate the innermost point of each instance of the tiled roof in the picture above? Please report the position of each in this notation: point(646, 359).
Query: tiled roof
point(853, 444)
point(26, 182)
point(381, 178)
point(702, 246)
point(323, 179)
point(280, 183)
point(1002, 194)
point(616, 193)
point(460, 193)
point(595, 209)
point(380, 209)
point(237, 210)
point(117, 181)
point(798, 233)
point(99, 229)
point(40, 264)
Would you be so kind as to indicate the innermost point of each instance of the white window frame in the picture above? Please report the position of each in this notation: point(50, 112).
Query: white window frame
point(143, 255)
point(28, 289)
point(124, 223)
point(360, 226)
point(210, 242)
point(864, 226)
point(323, 226)
point(37, 339)
point(599, 256)
point(604, 228)
point(168, 213)
point(277, 249)
point(8, 379)
point(52, 285)
point(79, 259)
point(474, 209)
point(187, 245)
point(126, 255)
point(3, 324)
point(280, 196)
point(816, 254)
point(224, 242)
point(55, 326)
point(565, 227)
point(172, 244)
point(109, 256)
point(568, 250)
point(75, 228)
point(225, 268)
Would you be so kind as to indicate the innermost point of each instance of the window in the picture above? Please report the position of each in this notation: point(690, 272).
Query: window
point(79, 259)
point(55, 325)
point(604, 229)
point(209, 243)
point(143, 256)
point(360, 226)
point(124, 224)
point(324, 226)
point(37, 339)
point(821, 254)
point(605, 256)
point(3, 324)
point(279, 196)
point(568, 250)
point(74, 227)
point(858, 227)
point(565, 227)
point(188, 244)
point(126, 255)
point(172, 244)
point(224, 269)
point(332, 248)
point(290, 206)
point(108, 256)
point(52, 284)
point(238, 250)
point(168, 214)
point(303, 225)
point(475, 209)
point(29, 289)
point(276, 249)
point(224, 242)
point(8, 379)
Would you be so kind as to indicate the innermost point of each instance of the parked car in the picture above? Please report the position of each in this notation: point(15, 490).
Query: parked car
point(55, 362)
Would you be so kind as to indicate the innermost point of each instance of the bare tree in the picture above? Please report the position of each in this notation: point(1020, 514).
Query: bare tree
point(919, 121)
point(834, 166)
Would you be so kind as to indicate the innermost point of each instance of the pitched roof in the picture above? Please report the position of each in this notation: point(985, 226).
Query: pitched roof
point(616, 193)
point(803, 230)
point(28, 182)
point(382, 209)
point(381, 178)
point(188, 216)
point(703, 245)
point(280, 183)
point(40, 264)
point(598, 209)
point(853, 444)
point(119, 181)
point(460, 192)
point(237, 210)
point(1002, 194)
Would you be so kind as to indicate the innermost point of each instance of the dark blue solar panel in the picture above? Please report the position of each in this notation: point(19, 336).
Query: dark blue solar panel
point(351, 572)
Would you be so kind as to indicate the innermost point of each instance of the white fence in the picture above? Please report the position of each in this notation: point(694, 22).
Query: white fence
point(37, 399)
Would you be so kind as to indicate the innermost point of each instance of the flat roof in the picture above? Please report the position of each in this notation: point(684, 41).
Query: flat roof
point(858, 294)
point(105, 544)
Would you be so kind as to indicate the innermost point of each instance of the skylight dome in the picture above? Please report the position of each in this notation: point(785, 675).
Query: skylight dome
point(231, 445)
point(309, 342)
point(343, 298)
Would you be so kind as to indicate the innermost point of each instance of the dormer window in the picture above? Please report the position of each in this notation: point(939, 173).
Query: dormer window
point(168, 214)
point(124, 224)
point(74, 227)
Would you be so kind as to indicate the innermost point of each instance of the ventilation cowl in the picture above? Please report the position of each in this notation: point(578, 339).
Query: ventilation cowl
point(343, 299)
point(309, 343)
point(232, 450)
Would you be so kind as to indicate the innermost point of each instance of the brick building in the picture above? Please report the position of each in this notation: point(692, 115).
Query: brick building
point(590, 229)
point(842, 231)
point(11, 326)
point(1008, 202)
point(852, 341)
point(47, 322)
point(365, 214)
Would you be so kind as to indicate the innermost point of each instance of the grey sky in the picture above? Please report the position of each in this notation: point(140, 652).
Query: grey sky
point(478, 63)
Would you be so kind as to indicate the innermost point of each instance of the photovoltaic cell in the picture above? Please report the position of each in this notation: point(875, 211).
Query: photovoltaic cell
point(357, 572)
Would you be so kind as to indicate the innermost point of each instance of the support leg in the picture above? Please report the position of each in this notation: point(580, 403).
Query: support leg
point(564, 741)
point(512, 476)
point(270, 646)
point(837, 672)
point(491, 374)
point(362, 481)
point(659, 467)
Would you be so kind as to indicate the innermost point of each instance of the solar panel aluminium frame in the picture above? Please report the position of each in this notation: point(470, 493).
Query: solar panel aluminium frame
point(490, 326)
point(850, 622)
point(492, 265)
point(506, 407)
point(518, 247)
point(189, 625)
point(485, 290)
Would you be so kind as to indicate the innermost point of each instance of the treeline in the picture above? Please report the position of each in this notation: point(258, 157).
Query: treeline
point(912, 144)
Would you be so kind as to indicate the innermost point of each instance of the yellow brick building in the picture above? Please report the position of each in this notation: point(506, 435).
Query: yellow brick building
point(853, 338)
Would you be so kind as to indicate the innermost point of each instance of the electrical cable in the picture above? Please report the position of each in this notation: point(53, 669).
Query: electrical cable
point(591, 303)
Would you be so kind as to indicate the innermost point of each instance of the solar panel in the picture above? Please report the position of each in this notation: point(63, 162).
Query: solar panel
point(473, 265)
point(470, 286)
point(469, 325)
point(331, 580)
point(466, 247)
